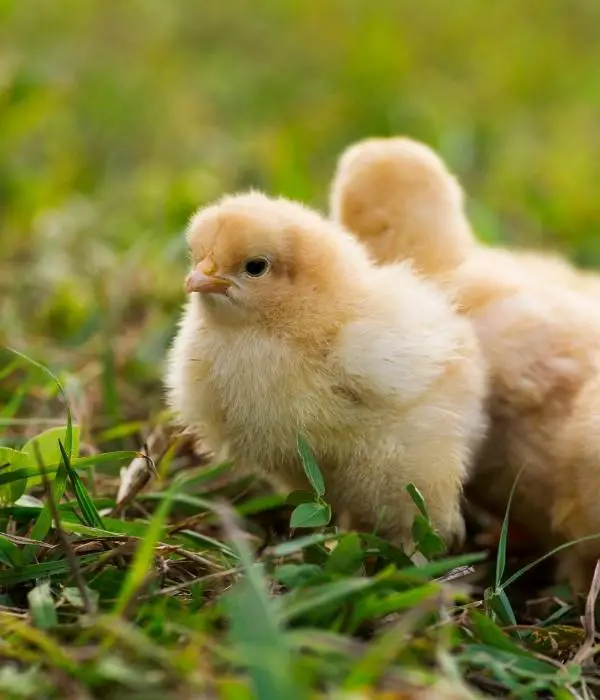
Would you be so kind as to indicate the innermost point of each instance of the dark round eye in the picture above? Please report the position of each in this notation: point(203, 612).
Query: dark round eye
point(256, 267)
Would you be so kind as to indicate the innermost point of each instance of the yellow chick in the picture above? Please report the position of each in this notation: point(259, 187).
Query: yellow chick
point(380, 180)
point(292, 330)
point(541, 340)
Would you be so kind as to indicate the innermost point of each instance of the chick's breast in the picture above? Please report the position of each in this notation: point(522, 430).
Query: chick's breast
point(395, 399)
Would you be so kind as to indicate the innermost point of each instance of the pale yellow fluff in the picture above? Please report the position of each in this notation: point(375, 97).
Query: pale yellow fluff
point(370, 364)
point(539, 334)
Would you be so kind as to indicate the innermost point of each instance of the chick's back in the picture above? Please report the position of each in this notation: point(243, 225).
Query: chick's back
point(371, 365)
point(538, 323)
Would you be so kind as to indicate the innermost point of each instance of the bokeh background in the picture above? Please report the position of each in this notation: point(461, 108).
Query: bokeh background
point(118, 119)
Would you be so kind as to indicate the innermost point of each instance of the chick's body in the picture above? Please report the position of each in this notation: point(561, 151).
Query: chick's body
point(539, 336)
point(370, 365)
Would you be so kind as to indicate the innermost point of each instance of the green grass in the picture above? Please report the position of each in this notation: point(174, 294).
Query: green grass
point(199, 586)
point(117, 120)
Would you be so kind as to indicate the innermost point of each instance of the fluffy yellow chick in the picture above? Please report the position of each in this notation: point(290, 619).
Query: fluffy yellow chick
point(292, 330)
point(540, 338)
point(380, 181)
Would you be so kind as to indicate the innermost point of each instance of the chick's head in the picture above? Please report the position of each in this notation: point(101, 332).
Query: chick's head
point(270, 261)
point(398, 196)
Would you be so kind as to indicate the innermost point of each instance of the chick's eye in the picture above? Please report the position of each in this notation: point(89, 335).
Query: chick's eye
point(256, 267)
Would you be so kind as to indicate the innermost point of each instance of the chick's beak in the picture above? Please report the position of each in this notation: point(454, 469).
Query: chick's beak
point(198, 281)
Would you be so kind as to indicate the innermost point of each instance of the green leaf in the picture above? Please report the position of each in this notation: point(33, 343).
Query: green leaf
point(89, 512)
point(13, 463)
point(377, 546)
point(500, 605)
point(10, 554)
point(376, 607)
point(260, 504)
point(8, 476)
point(296, 498)
point(297, 575)
point(427, 540)
point(311, 468)
point(41, 606)
point(299, 603)
point(384, 649)
point(347, 556)
point(418, 500)
point(74, 598)
point(489, 633)
point(47, 443)
point(285, 549)
point(311, 515)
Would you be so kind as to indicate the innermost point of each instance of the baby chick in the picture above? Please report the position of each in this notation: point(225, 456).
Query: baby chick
point(291, 330)
point(541, 340)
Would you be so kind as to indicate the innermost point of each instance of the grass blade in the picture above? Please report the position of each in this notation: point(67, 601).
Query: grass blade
point(255, 627)
point(509, 581)
point(10, 554)
point(30, 572)
point(62, 392)
point(89, 512)
point(144, 557)
point(502, 544)
point(286, 549)
point(44, 520)
point(326, 594)
point(7, 477)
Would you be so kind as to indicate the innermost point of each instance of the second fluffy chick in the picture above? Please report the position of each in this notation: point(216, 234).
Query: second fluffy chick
point(386, 185)
point(541, 340)
point(291, 330)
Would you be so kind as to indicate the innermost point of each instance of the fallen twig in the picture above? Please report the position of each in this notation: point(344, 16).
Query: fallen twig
point(588, 648)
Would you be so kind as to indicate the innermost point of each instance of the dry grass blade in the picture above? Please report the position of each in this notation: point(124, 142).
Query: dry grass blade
point(17, 539)
point(588, 648)
point(176, 588)
point(139, 472)
point(455, 574)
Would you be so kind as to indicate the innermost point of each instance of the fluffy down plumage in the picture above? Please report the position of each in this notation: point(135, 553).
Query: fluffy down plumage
point(292, 330)
point(538, 323)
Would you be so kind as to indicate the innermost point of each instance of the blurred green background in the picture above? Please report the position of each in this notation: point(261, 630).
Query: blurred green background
point(118, 119)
